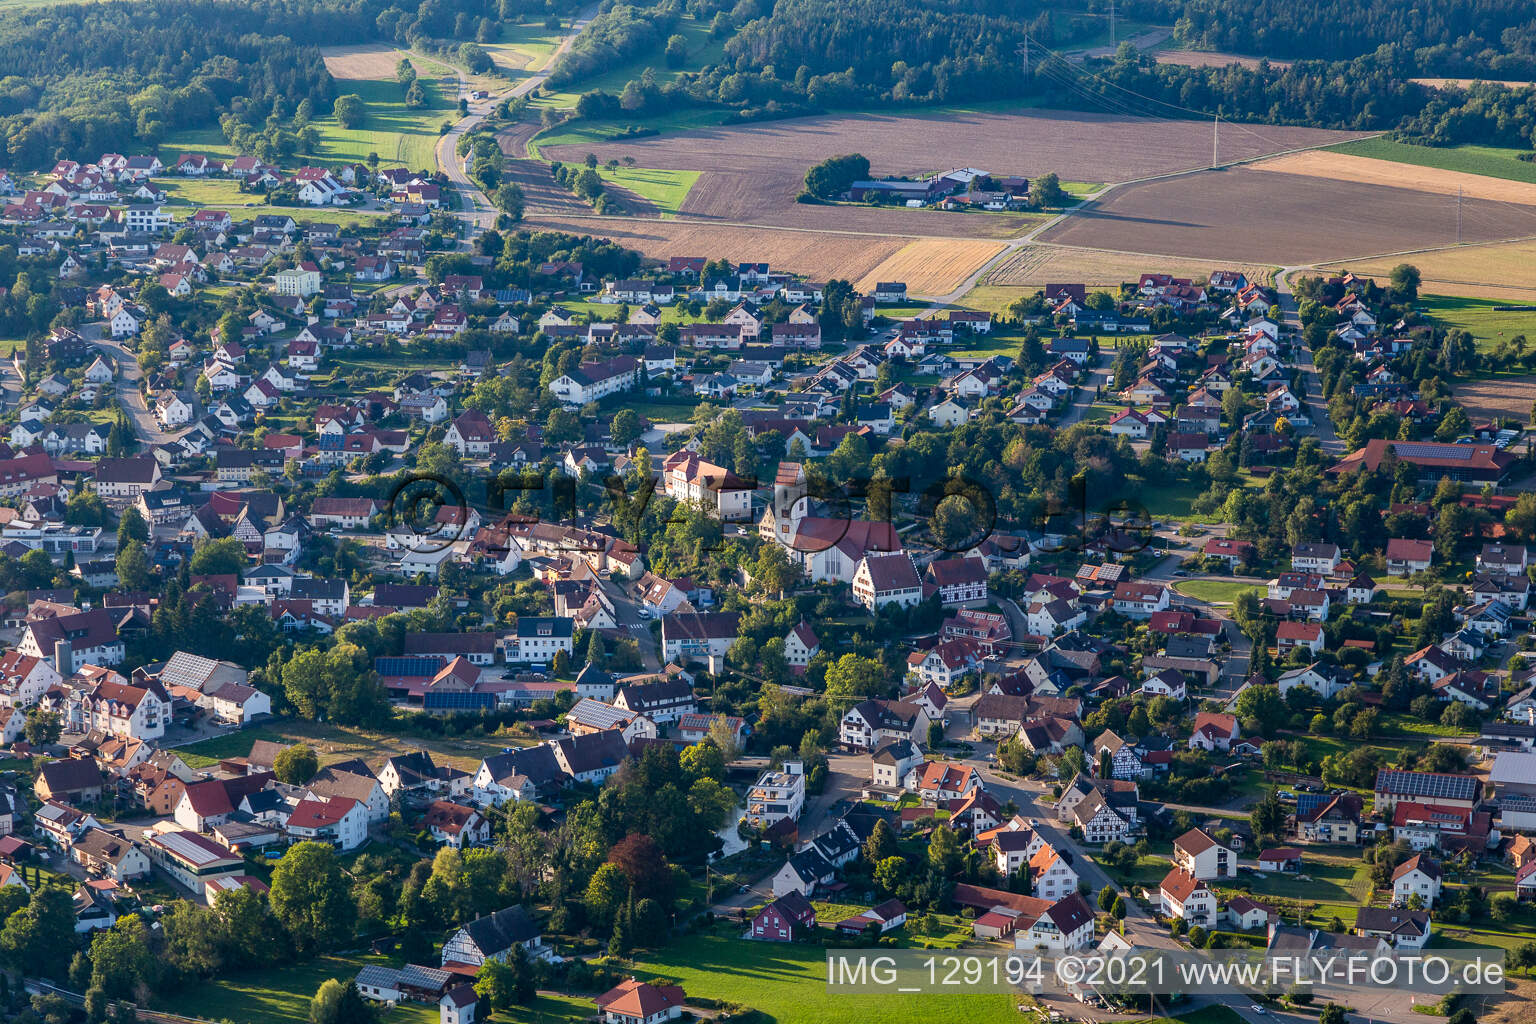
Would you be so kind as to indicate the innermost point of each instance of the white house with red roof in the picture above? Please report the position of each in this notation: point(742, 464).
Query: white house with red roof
point(1215, 731)
point(338, 820)
point(317, 186)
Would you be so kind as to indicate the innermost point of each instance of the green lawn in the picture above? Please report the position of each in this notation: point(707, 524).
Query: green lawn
point(398, 134)
point(281, 995)
point(524, 48)
point(1213, 591)
point(339, 743)
point(1478, 317)
point(985, 346)
point(788, 984)
point(1494, 161)
point(1170, 501)
point(224, 193)
point(667, 189)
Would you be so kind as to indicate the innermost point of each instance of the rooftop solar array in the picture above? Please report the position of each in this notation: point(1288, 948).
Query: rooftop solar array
point(1420, 450)
point(1427, 784)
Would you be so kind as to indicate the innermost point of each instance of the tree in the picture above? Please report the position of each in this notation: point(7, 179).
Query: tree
point(350, 110)
point(1197, 936)
point(132, 565)
point(881, 843)
point(130, 527)
point(944, 853)
point(42, 728)
point(41, 936)
point(853, 678)
point(1333, 1013)
point(338, 1002)
point(890, 872)
point(1267, 816)
point(1117, 909)
point(625, 427)
point(1405, 282)
point(311, 898)
point(509, 200)
point(296, 765)
point(1047, 191)
point(606, 892)
point(833, 175)
point(676, 53)
point(223, 557)
point(1107, 897)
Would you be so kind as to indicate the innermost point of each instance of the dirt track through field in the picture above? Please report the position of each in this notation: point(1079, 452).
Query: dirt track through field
point(1290, 219)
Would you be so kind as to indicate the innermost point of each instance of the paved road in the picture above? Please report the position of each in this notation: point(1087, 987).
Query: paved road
point(1322, 425)
point(1087, 393)
point(130, 394)
point(474, 208)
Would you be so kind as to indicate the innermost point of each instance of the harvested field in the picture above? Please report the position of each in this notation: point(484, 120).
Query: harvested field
point(1247, 215)
point(1212, 59)
point(819, 256)
point(931, 266)
point(1506, 272)
point(1506, 396)
point(367, 62)
point(1463, 83)
point(1369, 171)
point(1035, 265)
point(739, 186)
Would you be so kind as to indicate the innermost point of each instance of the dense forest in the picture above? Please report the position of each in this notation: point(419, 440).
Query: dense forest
point(1458, 34)
point(81, 79)
point(803, 57)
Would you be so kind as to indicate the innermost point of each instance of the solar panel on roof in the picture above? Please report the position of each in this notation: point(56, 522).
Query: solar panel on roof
point(407, 665)
point(1308, 802)
point(1450, 787)
point(1420, 450)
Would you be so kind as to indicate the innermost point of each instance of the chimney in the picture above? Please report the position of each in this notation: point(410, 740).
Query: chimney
point(64, 658)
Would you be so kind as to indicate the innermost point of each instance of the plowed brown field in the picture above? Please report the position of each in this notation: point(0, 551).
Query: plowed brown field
point(751, 173)
point(1248, 215)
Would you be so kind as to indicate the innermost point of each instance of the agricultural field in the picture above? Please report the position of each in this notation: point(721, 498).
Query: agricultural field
point(524, 48)
point(1480, 318)
point(819, 255)
point(932, 266)
point(1462, 83)
point(1492, 161)
point(736, 184)
point(662, 191)
point(1244, 214)
point(1504, 271)
point(1213, 59)
point(1501, 396)
point(398, 134)
point(1031, 266)
point(1332, 165)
